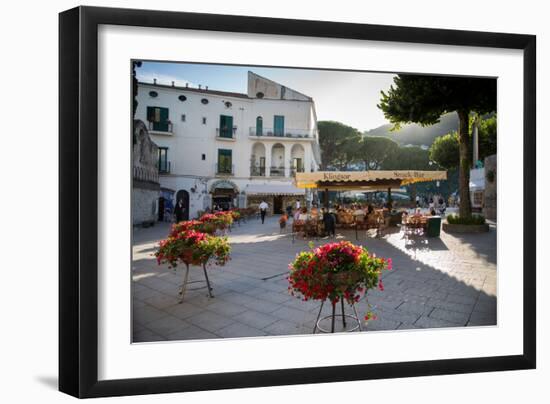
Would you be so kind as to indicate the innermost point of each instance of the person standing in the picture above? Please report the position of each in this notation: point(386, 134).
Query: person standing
point(289, 210)
point(329, 223)
point(298, 205)
point(179, 211)
point(263, 210)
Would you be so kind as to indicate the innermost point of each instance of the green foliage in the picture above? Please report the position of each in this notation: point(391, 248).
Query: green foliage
point(374, 151)
point(423, 99)
point(445, 150)
point(487, 137)
point(408, 158)
point(472, 220)
point(338, 144)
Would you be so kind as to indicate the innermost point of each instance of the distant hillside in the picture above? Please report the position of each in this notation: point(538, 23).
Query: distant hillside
point(416, 134)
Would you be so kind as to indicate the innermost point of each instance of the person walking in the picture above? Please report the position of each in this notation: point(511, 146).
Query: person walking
point(263, 210)
point(179, 211)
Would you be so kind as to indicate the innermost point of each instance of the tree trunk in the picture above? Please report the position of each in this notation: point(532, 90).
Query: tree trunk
point(465, 209)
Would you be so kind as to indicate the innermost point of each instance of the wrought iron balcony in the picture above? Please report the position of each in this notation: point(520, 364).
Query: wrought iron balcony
point(294, 170)
point(225, 169)
point(277, 171)
point(226, 133)
point(257, 171)
point(286, 133)
point(161, 127)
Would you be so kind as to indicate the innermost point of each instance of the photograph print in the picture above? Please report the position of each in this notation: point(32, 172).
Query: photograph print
point(277, 201)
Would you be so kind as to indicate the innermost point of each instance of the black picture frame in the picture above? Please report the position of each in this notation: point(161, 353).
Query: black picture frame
point(78, 196)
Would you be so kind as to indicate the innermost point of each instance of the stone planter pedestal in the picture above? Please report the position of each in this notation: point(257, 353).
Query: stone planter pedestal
point(465, 228)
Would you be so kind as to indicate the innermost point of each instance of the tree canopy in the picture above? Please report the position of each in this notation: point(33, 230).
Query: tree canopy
point(338, 144)
point(445, 149)
point(408, 158)
point(374, 151)
point(424, 99)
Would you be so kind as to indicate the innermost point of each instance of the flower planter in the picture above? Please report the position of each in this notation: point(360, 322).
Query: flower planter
point(336, 272)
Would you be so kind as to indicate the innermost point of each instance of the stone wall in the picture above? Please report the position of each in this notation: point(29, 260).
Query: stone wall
point(490, 193)
point(144, 206)
point(145, 179)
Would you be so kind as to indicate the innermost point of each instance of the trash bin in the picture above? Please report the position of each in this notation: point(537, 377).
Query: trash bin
point(433, 226)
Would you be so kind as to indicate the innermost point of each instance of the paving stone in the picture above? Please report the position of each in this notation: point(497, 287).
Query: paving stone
point(225, 308)
point(481, 318)
point(255, 319)
point(240, 330)
point(210, 321)
point(284, 327)
point(191, 332)
point(296, 316)
point(167, 325)
point(450, 316)
point(381, 324)
point(146, 335)
point(430, 322)
point(184, 310)
point(162, 301)
point(146, 314)
point(444, 304)
point(415, 308)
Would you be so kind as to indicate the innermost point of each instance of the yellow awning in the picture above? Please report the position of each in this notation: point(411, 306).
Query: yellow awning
point(374, 179)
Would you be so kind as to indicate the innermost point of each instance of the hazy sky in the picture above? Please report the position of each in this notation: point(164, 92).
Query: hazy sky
point(348, 97)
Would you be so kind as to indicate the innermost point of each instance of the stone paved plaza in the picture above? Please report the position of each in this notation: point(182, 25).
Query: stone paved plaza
point(435, 282)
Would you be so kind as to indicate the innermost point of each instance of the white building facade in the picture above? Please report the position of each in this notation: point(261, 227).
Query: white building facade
point(231, 149)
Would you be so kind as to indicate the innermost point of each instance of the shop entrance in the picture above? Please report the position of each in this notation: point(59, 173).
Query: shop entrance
point(278, 204)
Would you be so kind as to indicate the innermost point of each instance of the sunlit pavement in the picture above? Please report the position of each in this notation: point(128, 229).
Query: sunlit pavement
point(448, 281)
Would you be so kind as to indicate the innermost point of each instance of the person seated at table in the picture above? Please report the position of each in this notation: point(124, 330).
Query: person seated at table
point(303, 215)
point(370, 209)
point(314, 211)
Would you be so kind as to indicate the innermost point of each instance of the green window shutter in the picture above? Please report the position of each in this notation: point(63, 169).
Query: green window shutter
point(259, 126)
point(163, 119)
point(226, 126)
point(279, 125)
point(225, 161)
point(151, 114)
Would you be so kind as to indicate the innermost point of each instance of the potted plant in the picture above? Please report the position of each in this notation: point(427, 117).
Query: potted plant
point(192, 247)
point(338, 272)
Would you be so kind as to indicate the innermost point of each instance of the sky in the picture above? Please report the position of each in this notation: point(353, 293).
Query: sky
point(347, 97)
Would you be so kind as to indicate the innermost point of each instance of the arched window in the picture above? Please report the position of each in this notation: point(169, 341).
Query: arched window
point(259, 126)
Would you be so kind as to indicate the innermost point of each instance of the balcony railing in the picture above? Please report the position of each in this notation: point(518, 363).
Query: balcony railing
point(149, 174)
point(257, 171)
point(277, 171)
point(225, 169)
point(164, 127)
point(294, 170)
point(288, 132)
point(226, 133)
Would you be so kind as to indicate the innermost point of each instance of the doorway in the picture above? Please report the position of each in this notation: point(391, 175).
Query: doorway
point(184, 196)
point(278, 204)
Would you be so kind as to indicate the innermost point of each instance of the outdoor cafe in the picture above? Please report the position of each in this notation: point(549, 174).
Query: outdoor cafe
point(357, 217)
